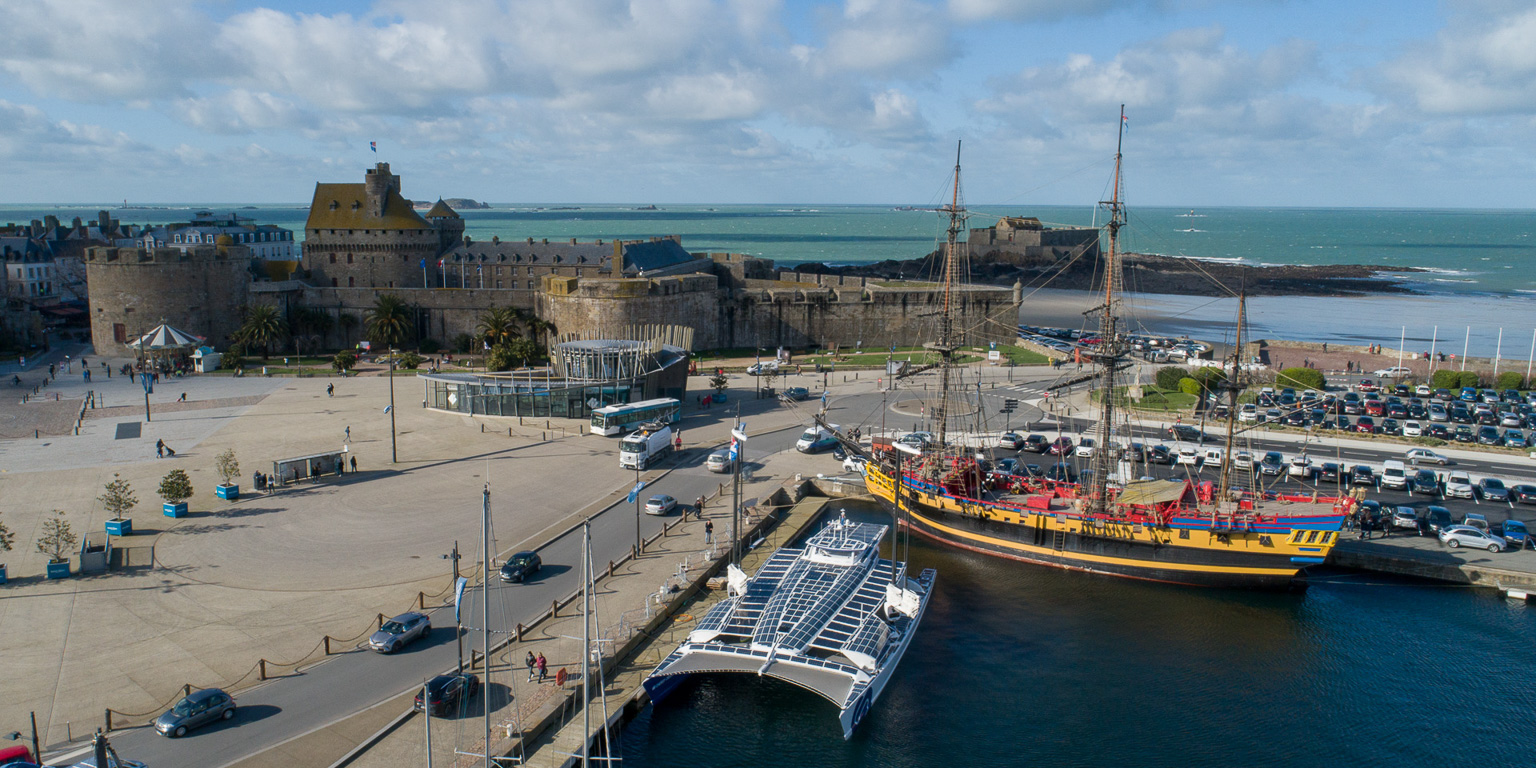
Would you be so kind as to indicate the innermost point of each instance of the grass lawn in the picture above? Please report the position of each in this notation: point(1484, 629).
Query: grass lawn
point(1022, 356)
point(1154, 399)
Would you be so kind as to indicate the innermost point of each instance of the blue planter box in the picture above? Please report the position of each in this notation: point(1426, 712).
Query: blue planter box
point(2, 574)
point(175, 510)
point(120, 527)
point(227, 492)
point(58, 570)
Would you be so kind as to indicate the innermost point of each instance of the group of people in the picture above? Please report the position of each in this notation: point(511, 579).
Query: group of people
point(536, 665)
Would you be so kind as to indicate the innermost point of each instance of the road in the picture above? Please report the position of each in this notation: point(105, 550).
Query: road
point(285, 709)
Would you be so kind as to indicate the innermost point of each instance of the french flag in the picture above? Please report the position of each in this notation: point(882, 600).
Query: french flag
point(374, 145)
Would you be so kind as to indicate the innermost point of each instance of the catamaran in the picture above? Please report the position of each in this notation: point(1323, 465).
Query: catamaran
point(833, 618)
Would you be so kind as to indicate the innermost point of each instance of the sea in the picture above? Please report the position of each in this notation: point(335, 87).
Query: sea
point(1021, 665)
point(1478, 293)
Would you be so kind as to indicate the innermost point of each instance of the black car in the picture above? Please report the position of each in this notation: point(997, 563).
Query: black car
point(1186, 432)
point(448, 694)
point(520, 566)
point(1425, 482)
point(1390, 427)
point(1439, 517)
point(1160, 454)
point(1488, 436)
point(1438, 431)
point(795, 393)
point(1272, 464)
point(1361, 474)
point(1463, 434)
point(1329, 471)
point(1525, 494)
point(1136, 452)
point(1035, 444)
point(1063, 472)
point(1296, 419)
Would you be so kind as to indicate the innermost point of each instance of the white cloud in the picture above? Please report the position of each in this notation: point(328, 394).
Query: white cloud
point(240, 111)
point(1032, 10)
point(887, 37)
point(1482, 64)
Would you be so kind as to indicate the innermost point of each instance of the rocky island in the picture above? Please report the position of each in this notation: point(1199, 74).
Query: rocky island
point(456, 203)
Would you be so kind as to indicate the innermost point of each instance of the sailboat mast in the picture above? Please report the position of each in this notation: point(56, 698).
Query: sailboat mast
point(485, 612)
point(1111, 344)
point(945, 347)
point(1234, 385)
point(586, 643)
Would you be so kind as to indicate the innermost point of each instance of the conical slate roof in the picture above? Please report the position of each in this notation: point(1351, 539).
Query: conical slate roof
point(441, 211)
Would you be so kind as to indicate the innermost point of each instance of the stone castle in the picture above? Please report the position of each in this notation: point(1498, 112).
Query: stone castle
point(365, 240)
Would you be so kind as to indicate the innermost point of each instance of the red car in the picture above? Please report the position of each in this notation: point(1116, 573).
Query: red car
point(1375, 408)
point(1061, 446)
point(1365, 424)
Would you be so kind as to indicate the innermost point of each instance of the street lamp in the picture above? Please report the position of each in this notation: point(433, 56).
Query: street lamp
point(148, 380)
point(394, 454)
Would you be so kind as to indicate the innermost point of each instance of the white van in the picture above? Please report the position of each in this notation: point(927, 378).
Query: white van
point(815, 439)
point(1394, 475)
point(1211, 457)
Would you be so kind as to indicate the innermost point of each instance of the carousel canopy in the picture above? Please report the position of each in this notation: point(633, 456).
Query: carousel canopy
point(166, 337)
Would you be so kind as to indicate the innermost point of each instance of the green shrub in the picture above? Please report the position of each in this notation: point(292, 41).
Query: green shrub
point(1189, 386)
point(1509, 380)
point(1301, 378)
point(1168, 376)
point(1445, 378)
point(344, 361)
point(1468, 379)
point(462, 343)
point(176, 487)
point(410, 360)
point(1209, 377)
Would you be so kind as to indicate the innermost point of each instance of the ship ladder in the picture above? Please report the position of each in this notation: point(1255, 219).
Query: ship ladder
point(1061, 535)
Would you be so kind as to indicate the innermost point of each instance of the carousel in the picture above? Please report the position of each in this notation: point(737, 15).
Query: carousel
point(165, 349)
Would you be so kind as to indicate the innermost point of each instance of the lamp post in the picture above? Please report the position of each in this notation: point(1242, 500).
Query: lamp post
point(394, 454)
point(458, 629)
point(637, 509)
point(148, 380)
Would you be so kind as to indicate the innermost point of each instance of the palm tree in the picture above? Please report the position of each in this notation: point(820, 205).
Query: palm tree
point(389, 322)
point(501, 324)
point(263, 325)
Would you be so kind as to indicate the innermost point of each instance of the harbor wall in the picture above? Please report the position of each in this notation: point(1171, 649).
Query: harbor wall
point(1380, 557)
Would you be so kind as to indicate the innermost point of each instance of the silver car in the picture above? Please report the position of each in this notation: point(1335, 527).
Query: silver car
point(1466, 536)
point(660, 504)
point(397, 632)
point(719, 461)
point(199, 708)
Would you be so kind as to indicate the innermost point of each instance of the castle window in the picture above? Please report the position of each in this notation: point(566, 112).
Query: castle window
point(119, 333)
point(333, 282)
point(349, 258)
point(351, 281)
point(333, 258)
point(498, 283)
point(178, 238)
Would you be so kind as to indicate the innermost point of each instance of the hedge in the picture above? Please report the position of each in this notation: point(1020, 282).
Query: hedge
point(1509, 380)
point(1189, 386)
point(1168, 377)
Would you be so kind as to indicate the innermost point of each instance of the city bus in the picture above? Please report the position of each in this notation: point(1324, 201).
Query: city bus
point(613, 419)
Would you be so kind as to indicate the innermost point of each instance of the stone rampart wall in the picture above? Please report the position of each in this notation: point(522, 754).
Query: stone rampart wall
point(198, 290)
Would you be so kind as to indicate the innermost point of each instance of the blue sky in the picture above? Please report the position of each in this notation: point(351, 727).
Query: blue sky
point(1252, 102)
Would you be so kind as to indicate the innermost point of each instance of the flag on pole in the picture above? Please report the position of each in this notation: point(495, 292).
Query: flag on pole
point(738, 441)
point(634, 493)
point(423, 263)
point(1125, 120)
point(374, 145)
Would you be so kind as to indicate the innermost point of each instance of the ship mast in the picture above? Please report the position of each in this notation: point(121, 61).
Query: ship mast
point(946, 344)
point(1234, 385)
point(1111, 347)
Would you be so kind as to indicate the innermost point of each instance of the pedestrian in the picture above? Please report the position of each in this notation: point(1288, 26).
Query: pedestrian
point(330, 390)
point(542, 665)
point(87, 373)
point(182, 399)
point(354, 465)
point(160, 449)
point(698, 507)
point(349, 433)
point(709, 532)
point(533, 665)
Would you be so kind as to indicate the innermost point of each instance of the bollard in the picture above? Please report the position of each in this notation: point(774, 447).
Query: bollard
point(543, 437)
point(421, 601)
point(381, 621)
point(186, 689)
point(327, 645)
point(610, 569)
point(509, 431)
point(519, 632)
point(634, 553)
point(262, 675)
point(482, 429)
point(108, 719)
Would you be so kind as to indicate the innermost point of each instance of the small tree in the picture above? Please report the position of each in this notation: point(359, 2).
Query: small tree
point(176, 487)
point(344, 361)
point(1467, 379)
point(1189, 386)
point(718, 382)
point(410, 360)
point(1509, 380)
point(118, 499)
point(768, 376)
point(1209, 377)
point(1168, 377)
point(1444, 378)
point(6, 538)
point(58, 538)
point(227, 465)
point(1305, 378)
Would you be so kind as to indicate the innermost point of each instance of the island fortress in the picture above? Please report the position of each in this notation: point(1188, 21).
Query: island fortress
point(364, 240)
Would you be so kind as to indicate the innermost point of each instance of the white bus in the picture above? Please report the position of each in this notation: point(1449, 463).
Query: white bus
point(613, 419)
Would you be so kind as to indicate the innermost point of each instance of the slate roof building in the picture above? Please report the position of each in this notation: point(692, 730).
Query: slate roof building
point(266, 241)
point(368, 236)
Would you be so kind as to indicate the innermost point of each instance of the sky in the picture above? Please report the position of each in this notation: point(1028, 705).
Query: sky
point(1371, 103)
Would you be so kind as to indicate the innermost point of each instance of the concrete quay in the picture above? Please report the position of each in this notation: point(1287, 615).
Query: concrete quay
point(1425, 557)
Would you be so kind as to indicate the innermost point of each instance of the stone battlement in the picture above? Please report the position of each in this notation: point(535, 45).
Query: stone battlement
point(110, 255)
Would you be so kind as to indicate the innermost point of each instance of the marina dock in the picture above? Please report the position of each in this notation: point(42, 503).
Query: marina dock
point(1426, 558)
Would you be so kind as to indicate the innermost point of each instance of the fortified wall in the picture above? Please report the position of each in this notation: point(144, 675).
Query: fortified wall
point(197, 290)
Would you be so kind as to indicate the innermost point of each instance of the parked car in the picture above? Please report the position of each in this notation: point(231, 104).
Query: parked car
point(1361, 474)
point(1458, 486)
point(1488, 435)
point(660, 504)
point(1160, 454)
point(1524, 494)
point(1063, 472)
point(1438, 518)
point(1515, 533)
point(1492, 489)
point(195, 710)
point(795, 393)
point(1188, 434)
point(1013, 441)
point(1413, 429)
point(520, 566)
point(1476, 520)
point(1424, 456)
point(396, 633)
point(1426, 483)
point(1242, 460)
point(1272, 464)
point(1467, 536)
point(1035, 444)
point(447, 694)
point(1300, 466)
point(1188, 457)
point(1061, 446)
point(1405, 517)
point(719, 461)
point(854, 463)
point(1085, 448)
point(1328, 471)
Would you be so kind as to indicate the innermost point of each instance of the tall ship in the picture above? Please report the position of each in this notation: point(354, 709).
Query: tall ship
point(1228, 532)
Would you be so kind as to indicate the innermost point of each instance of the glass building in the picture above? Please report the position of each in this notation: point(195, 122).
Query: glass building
point(584, 375)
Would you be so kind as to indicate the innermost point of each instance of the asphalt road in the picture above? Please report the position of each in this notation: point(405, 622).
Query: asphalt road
point(286, 709)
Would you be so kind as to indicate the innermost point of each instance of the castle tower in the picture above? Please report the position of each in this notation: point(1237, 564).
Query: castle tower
point(448, 223)
point(368, 236)
point(198, 290)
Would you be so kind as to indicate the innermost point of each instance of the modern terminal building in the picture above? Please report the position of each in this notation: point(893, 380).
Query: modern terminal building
point(584, 375)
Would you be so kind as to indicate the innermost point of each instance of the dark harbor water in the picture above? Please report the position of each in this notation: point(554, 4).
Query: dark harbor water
point(1018, 665)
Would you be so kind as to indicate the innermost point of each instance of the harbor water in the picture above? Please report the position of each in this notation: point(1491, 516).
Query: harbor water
point(1019, 665)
